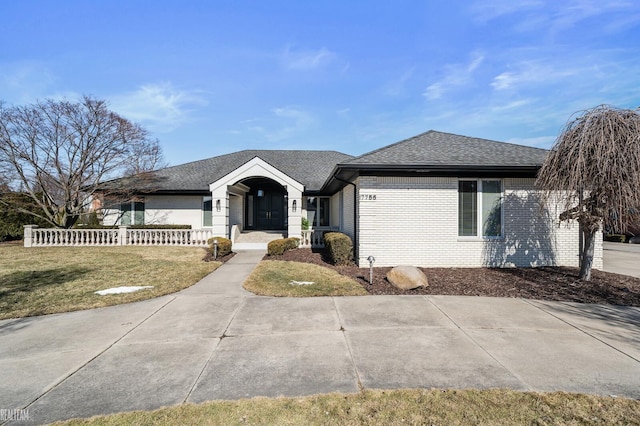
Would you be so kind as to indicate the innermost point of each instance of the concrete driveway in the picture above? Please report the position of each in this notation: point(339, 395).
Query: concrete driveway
point(622, 258)
point(216, 341)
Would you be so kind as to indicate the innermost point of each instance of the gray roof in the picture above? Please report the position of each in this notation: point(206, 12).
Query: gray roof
point(445, 149)
point(311, 168)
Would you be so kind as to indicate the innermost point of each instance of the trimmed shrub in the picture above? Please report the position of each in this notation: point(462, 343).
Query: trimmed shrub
point(616, 238)
point(339, 247)
point(12, 221)
point(278, 247)
point(79, 225)
point(224, 246)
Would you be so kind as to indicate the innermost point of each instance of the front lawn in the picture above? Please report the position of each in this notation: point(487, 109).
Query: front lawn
point(37, 281)
point(395, 407)
point(291, 279)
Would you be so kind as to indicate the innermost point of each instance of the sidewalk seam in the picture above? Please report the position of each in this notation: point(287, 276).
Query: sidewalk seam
point(524, 383)
point(581, 330)
point(344, 336)
point(64, 379)
point(222, 336)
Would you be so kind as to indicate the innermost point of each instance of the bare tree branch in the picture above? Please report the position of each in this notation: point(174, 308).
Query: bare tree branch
point(594, 167)
point(59, 151)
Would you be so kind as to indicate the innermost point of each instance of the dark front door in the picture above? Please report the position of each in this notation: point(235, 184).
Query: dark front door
point(270, 211)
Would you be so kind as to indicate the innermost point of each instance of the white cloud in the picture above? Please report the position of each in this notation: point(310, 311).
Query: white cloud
point(456, 76)
point(307, 59)
point(534, 72)
point(486, 10)
point(161, 107)
point(25, 82)
point(283, 123)
point(556, 16)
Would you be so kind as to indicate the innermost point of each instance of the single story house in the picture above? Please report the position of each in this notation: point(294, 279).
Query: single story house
point(433, 200)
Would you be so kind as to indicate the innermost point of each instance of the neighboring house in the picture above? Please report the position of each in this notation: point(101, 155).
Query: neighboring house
point(436, 199)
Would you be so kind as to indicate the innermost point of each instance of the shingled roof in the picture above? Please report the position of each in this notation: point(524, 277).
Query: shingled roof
point(434, 148)
point(311, 168)
point(431, 152)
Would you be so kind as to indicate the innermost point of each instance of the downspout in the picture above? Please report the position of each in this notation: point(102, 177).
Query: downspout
point(355, 211)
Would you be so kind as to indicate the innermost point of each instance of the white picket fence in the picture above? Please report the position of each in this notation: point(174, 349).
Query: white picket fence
point(122, 236)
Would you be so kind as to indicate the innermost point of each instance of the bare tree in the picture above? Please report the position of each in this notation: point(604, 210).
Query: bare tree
point(145, 158)
point(593, 172)
point(58, 152)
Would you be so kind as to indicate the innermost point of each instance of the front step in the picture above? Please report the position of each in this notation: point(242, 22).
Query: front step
point(256, 240)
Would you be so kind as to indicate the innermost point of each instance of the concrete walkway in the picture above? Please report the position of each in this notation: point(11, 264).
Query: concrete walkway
point(216, 341)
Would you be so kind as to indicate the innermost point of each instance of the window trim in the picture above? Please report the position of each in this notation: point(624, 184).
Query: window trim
point(479, 210)
point(204, 211)
point(132, 212)
point(316, 216)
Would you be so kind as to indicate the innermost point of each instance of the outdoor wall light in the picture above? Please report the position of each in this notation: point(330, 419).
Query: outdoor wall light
point(294, 205)
point(371, 259)
point(218, 208)
point(260, 193)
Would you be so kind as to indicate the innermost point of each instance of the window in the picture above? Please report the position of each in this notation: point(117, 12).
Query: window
point(132, 213)
point(319, 211)
point(480, 202)
point(207, 211)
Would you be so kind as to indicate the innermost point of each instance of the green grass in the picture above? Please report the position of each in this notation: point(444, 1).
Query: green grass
point(37, 281)
point(273, 278)
point(395, 407)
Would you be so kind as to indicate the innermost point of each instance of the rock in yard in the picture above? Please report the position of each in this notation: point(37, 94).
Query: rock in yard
point(634, 240)
point(407, 277)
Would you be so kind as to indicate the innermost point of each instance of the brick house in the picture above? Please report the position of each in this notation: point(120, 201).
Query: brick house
point(435, 199)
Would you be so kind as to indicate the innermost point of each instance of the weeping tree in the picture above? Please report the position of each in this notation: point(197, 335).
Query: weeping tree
point(59, 152)
point(593, 174)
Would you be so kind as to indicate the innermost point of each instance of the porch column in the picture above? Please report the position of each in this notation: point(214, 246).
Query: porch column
point(295, 217)
point(220, 212)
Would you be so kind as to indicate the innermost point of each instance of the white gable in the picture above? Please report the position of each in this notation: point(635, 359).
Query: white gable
point(256, 167)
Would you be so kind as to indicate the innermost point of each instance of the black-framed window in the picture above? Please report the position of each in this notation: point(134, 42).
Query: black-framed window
point(132, 213)
point(480, 202)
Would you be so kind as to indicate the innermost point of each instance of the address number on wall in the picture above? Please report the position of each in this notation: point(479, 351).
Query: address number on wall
point(367, 197)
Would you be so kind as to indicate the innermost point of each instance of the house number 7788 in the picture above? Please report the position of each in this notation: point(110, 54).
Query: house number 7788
point(367, 197)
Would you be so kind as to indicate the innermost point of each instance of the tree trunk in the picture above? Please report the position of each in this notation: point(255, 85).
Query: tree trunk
point(587, 254)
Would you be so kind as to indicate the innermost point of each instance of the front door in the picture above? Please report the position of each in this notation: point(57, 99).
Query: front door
point(270, 211)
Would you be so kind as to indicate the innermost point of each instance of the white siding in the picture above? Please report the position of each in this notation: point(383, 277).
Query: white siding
point(174, 210)
point(236, 207)
point(415, 221)
point(167, 210)
point(335, 211)
point(347, 211)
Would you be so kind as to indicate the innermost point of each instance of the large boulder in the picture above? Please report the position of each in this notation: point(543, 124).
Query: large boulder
point(407, 277)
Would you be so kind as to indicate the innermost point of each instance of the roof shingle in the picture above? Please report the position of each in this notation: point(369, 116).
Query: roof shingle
point(434, 148)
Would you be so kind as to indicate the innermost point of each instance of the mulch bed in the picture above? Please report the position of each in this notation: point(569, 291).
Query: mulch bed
point(546, 283)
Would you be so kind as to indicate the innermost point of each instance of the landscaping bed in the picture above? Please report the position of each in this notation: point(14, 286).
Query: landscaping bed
point(546, 283)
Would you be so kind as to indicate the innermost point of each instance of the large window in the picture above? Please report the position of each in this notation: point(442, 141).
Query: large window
point(132, 213)
point(319, 211)
point(480, 202)
point(207, 211)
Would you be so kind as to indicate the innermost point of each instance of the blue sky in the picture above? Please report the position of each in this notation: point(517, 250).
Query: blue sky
point(212, 77)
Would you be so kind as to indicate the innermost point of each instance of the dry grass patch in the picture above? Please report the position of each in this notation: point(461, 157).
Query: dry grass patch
point(37, 281)
point(396, 407)
point(273, 278)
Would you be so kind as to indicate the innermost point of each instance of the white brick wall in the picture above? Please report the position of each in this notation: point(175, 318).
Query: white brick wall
point(414, 220)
